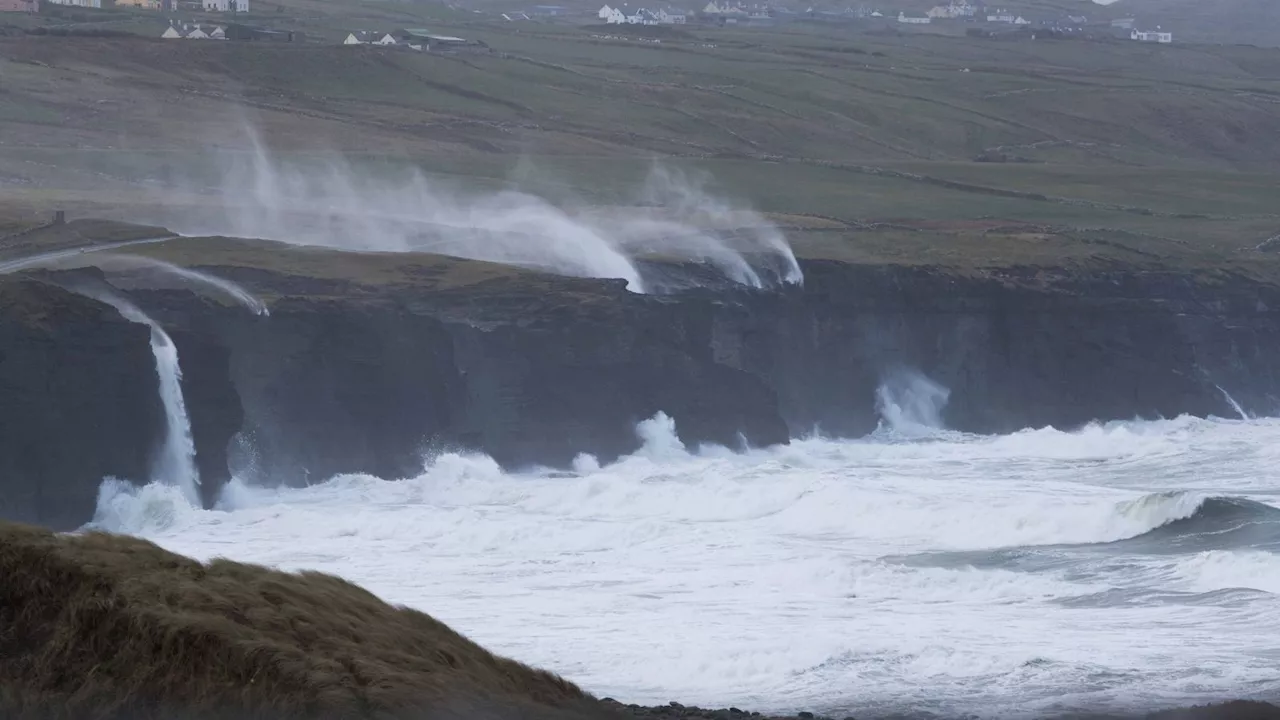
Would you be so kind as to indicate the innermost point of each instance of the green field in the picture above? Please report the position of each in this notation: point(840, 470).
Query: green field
point(1169, 147)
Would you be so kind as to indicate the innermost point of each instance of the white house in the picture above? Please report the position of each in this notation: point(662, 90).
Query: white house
point(97, 4)
point(1148, 36)
point(171, 33)
point(1021, 21)
point(912, 20)
point(197, 34)
point(385, 40)
point(352, 40)
point(956, 9)
point(1002, 17)
point(218, 34)
point(611, 16)
point(225, 5)
point(726, 9)
point(671, 17)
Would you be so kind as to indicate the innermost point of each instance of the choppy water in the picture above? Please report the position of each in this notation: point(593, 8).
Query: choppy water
point(1130, 565)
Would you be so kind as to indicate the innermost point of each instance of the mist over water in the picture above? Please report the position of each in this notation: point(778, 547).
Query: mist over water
point(1126, 566)
point(333, 203)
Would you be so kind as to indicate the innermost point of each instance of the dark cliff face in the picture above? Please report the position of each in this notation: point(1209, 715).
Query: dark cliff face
point(1016, 349)
point(360, 386)
point(213, 405)
point(78, 392)
point(373, 379)
point(374, 382)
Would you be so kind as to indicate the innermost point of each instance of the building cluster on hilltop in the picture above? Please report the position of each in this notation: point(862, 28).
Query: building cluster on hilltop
point(193, 32)
point(413, 39)
point(982, 21)
point(642, 16)
point(218, 6)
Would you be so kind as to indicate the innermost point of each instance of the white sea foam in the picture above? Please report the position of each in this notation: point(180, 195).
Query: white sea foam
point(777, 578)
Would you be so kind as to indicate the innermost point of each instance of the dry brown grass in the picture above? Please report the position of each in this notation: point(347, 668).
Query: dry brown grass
point(105, 626)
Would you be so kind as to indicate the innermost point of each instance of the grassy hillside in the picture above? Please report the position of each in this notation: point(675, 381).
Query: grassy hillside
point(114, 627)
point(1235, 22)
point(844, 124)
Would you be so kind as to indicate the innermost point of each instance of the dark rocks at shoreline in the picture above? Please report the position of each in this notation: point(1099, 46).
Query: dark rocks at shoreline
point(674, 710)
point(1232, 710)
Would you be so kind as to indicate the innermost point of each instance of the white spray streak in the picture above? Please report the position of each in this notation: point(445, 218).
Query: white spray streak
point(1232, 401)
point(694, 208)
point(341, 207)
point(911, 403)
point(46, 258)
point(234, 291)
point(175, 463)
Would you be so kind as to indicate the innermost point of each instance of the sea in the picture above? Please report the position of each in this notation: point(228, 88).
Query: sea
point(1117, 567)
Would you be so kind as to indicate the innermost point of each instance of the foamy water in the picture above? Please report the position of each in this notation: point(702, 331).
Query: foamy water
point(1130, 565)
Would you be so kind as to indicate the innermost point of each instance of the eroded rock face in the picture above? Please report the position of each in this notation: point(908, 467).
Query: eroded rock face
point(78, 402)
point(347, 379)
point(1015, 349)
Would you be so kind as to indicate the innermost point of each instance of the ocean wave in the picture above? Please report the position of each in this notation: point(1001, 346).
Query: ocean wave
point(1217, 522)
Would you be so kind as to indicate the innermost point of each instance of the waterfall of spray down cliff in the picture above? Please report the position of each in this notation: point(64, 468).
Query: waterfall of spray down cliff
point(174, 464)
point(340, 205)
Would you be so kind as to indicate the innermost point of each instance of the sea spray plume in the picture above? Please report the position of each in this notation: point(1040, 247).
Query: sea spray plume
point(740, 242)
point(910, 403)
point(334, 204)
point(337, 205)
point(222, 285)
point(175, 463)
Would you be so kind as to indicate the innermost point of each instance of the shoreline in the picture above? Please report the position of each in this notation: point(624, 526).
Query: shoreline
point(1222, 710)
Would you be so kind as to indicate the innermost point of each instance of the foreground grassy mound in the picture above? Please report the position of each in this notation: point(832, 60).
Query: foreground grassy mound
point(104, 626)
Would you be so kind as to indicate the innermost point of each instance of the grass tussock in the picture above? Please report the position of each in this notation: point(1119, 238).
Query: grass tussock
point(105, 626)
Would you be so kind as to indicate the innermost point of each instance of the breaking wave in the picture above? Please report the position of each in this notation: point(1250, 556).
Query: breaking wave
point(1213, 523)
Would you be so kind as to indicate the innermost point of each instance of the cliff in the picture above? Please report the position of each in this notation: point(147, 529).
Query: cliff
point(77, 402)
point(81, 399)
point(370, 361)
point(1016, 347)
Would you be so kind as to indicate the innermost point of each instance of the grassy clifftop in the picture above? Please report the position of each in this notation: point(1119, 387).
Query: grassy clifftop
point(107, 626)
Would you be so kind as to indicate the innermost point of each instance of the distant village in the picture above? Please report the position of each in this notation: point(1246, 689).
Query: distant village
point(234, 6)
point(979, 20)
point(976, 19)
